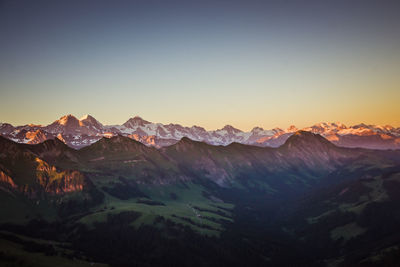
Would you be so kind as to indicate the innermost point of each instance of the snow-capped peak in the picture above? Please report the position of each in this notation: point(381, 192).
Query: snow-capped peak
point(135, 121)
point(67, 119)
point(231, 129)
point(292, 129)
point(326, 127)
point(257, 129)
point(91, 123)
point(85, 117)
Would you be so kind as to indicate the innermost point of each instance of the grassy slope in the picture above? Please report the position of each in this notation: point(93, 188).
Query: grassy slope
point(188, 199)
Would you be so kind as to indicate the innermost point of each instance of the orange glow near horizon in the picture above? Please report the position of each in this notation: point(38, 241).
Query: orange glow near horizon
point(243, 65)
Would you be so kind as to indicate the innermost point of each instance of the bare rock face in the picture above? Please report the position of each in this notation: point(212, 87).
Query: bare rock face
point(56, 182)
point(6, 181)
point(38, 136)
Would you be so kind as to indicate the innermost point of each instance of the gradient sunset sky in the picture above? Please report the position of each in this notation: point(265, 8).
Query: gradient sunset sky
point(209, 63)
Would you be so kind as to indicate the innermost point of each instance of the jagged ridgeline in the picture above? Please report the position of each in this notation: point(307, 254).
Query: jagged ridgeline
point(78, 133)
point(119, 202)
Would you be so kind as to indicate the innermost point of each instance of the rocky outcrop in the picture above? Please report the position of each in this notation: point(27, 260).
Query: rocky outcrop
point(6, 181)
point(57, 182)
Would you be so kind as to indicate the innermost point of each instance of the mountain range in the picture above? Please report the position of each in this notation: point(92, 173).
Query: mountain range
point(78, 133)
point(117, 201)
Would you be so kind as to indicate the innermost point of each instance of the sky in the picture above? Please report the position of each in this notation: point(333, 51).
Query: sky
point(208, 63)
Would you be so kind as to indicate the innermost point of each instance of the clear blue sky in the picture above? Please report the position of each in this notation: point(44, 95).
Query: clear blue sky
point(209, 63)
